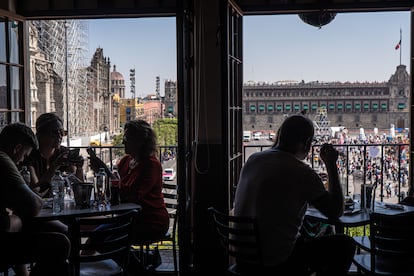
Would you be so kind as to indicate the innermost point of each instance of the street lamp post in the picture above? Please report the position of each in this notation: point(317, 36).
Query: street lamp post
point(66, 83)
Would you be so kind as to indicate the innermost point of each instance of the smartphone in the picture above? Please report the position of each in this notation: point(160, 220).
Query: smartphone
point(73, 154)
point(90, 151)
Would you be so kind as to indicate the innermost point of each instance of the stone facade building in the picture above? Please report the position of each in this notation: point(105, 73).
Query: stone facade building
point(118, 92)
point(170, 99)
point(45, 80)
point(352, 105)
point(99, 88)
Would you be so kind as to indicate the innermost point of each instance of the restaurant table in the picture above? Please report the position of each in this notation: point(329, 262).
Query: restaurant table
point(71, 212)
point(359, 217)
point(74, 212)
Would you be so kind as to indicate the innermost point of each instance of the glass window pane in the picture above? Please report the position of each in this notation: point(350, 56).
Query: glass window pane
point(252, 108)
point(384, 105)
point(15, 88)
point(261, 107)
point(14, 41)
point(279, 107)
point(3, 87)
point(357, 106)
point(3, 119)
point(296, 107)
point(305, 107)
point(287, 107)
point(2, 40)
point(314, 106)
point(17, 117)
point(348, 106)
point(270, 107)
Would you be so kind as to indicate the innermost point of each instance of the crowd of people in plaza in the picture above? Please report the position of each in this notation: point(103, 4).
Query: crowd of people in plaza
point(45, 245)
point(386, 163)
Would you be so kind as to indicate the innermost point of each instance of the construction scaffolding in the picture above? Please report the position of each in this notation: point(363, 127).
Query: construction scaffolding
point(65, 45)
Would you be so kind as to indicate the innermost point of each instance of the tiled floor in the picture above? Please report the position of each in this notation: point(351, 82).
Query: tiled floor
point(167, 262)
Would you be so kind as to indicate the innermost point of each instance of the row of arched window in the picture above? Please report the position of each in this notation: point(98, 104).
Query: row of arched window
point(333, 107)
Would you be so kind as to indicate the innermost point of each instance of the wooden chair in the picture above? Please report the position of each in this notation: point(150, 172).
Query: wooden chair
point(170, 194)
point(240, 238)
point(106, 239)
point(389, 248)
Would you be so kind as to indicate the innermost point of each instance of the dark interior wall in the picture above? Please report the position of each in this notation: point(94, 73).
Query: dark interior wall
point(207, 62)
point(209, 166)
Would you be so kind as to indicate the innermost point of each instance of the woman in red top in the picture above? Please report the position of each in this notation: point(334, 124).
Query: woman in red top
point(141, 180)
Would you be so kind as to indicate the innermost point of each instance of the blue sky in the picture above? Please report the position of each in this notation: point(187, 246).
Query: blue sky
point(353, 47)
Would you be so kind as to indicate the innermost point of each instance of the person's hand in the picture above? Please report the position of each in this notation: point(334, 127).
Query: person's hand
point(94, 162)
point(329, 154)
point(60, 160)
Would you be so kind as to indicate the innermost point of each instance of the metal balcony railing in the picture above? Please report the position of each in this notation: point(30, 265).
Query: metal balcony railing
point(384, 166)
point(110, 154)
point(359, 165)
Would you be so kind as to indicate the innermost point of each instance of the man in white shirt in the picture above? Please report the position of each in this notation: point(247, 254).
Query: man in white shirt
point(276, 186)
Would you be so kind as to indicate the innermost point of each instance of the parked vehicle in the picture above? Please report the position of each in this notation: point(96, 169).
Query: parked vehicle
point(168, 174)
point(247, 136)
point(257, 135)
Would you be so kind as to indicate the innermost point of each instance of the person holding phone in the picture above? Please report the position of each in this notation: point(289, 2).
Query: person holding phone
point(141, 180)
point(20, 245)
point(51, 155)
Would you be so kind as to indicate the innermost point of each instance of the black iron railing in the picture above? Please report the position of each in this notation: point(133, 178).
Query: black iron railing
point(360, 165)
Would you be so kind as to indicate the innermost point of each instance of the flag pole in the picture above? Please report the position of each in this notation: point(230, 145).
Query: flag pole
point(400, 44)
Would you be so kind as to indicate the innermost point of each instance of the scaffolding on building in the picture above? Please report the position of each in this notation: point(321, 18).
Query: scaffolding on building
point(321, 122)
point(65, 45)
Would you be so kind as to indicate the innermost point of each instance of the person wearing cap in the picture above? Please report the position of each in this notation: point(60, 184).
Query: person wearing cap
point(48, 251)
point(276, 186)
point(141, 180)
point(51, 155)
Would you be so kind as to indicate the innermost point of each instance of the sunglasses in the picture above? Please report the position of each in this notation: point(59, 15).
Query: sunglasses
point(59, 133)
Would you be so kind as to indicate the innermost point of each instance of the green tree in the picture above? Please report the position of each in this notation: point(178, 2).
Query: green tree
point(117, 141)
point(166, 131)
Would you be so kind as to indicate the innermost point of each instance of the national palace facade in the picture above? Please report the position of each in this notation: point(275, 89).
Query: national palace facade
point(352, 105)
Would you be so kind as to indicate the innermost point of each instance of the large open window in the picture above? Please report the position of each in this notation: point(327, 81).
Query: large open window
point(12, 105)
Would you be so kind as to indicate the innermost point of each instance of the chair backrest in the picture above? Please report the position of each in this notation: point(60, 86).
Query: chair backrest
point(391, 236)
point(170, 194)
point(107, 237)
point(239, 236)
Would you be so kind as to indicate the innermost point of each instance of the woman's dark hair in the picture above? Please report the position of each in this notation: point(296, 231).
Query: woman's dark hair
point(143, 131)
point(18, 133)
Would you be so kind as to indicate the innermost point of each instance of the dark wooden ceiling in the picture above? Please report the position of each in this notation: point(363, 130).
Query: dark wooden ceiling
point(33, 9)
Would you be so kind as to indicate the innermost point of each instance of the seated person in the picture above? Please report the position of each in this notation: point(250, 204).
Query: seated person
point(51, 156)
point(18, 204)
point(276, 186)
point(141, 180)
point(409, 199)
